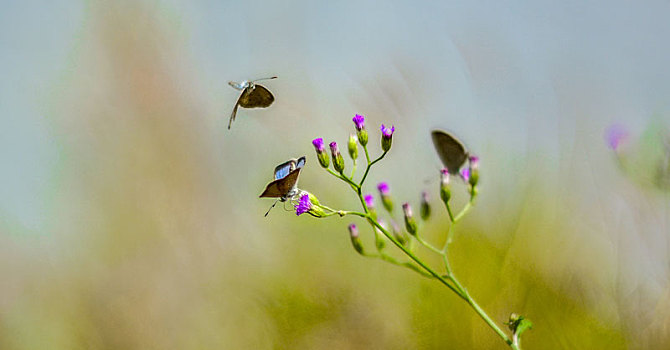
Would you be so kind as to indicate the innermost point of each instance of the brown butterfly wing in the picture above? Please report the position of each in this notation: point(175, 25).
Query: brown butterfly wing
point(256, 97)
point(280, 188)
point(451, 151)
point(232, 115)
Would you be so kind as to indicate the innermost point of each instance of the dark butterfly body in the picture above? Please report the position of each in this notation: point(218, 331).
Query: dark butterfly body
point(285, 184)
point(451, 151)
point(253, 96)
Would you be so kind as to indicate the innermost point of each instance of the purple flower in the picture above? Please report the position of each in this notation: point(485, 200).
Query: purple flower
point(304, 205)
point(369, 201)
point(465, 174)
point(333, 148)
point(615, 135)
point(386, 132)
point(359, 122)
point(318, 144)
point(384, 188)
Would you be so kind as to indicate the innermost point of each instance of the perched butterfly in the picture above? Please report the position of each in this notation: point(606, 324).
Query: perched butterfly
point(285, 185)
point(253, 96)
point(451, 151)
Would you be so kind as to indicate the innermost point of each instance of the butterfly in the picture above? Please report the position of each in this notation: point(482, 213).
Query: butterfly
point(253, 96)
point(451, 151)
point(285, 184)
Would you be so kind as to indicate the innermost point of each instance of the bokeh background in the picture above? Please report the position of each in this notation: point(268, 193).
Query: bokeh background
point(129, 216)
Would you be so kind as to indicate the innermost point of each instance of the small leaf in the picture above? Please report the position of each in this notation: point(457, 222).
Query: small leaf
point(519, 324)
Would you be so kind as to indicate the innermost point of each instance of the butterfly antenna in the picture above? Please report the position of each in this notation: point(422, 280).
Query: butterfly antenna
point(273, 205)
point(261, 79)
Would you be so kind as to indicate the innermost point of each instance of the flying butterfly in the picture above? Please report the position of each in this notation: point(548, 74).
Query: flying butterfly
point(285, 185)
point(253, 96)
point(451, 151)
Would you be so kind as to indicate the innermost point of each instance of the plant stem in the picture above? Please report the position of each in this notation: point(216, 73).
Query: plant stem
point(370, 164)
point(342, 177)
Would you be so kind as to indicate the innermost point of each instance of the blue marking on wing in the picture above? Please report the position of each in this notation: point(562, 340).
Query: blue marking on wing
point(282, 171)
point(301, 162)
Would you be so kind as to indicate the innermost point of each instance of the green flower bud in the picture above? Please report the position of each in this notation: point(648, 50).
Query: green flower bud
point(425, 206)
point(445, 190)
point(474, 171)
point(385, 193)
point(379, 237)
point(387, 137)
point(410, 223)
point(359, 123)
point(321, 154)
point(338, 161)
point(353, 146)
point(355, 239)
point(399, 235)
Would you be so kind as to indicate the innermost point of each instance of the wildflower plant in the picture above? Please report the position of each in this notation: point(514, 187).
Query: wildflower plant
point(403, 240)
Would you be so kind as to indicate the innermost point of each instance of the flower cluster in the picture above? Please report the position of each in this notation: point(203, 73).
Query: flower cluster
point(383, 223)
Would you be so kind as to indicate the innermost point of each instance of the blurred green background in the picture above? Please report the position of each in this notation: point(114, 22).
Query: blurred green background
point(129, 216)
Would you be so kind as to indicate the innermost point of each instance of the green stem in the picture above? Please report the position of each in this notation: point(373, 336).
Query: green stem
point(410, 266)
point(370, 164)
point(451, 215)
point(343, 178)
point(427, 245)
point(367, 155)
point(414, 257)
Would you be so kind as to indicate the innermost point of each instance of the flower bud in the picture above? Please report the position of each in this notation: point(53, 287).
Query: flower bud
point(399, 235)
point(338, 161)
point(379, 236)
point(321, 152)
point(410, 224)
point(474, 170)
point(387, 137)
point(385, 193)
point(370, 203)
point(445, 191)
point(355, 239)
point(425, 206)
point(353, 146)
point(359, 123)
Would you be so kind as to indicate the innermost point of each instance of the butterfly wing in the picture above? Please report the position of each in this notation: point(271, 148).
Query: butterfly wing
point(256, 97)
point(451, 151)
point(281, 187)
point(232, 115)
point(300, 162)
point(284, 169)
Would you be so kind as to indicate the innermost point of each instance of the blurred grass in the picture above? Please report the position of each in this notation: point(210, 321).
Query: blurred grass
point(152, 248)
